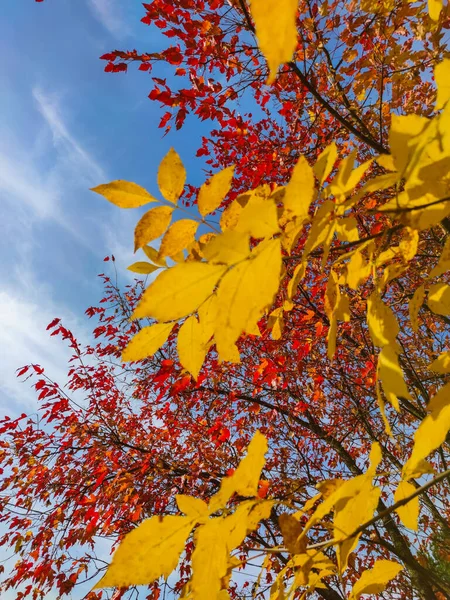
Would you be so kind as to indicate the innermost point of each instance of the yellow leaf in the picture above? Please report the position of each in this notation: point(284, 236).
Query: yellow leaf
point(245, 479)
point(444, 261)
point(245, 292)
point(439, 298)
point(441, 364)
point(383, 326)
point(179, 291)
point(147, 341)
point(171, 176)
point(214, 191)
point(152, 255)
point(227, 248)
point(291, 531)
point(415, 304)
point(246, 518)
point(374, 580)
point(347, 178)
point(409, 513)
point(191, 346)
point(209, 559)
point(299, 192)
point(432, 432)
point(403, 133)
point(322, 227)
point(259, 218)
point(358, 269)
point(347, 229)
point(325, 163)
point(275, 323)
point(144, 268)
point(299, 273)
point(178, 237)
point(381, 405)
point(230, 215)
point(207, 314)
point(152, 225)
point(276, 31)
point(124, 194)
point(194, 508)
point(349, 515)
point(391, 377)
point(150, 551)
point(434, 10)
point(409, 243)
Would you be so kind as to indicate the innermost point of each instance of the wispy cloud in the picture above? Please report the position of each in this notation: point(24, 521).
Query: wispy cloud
point(81, 160)
point(107, 13)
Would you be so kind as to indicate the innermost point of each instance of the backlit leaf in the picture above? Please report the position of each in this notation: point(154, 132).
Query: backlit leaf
point(409, 513)
point(299, 192)
point(171, 176)
point(383, 326)
point(276, 31)
point(209, 559)
point(325, 163)
point(152, 225)
point(441, 364)
point(439, 298)
point(150, 551)
point(444, 261)
point(179, 291)
point(258, 218)
point(191, 346)
point(375, 580)
point(212, 192)
point(124, 194)
point(144, 268)
point(415, 304)
point(147, 341)
point(227, 248)
point(178, 237)
point(195, 508)
point(391, 377)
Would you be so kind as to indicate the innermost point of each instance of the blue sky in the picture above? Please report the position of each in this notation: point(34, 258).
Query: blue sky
point(66, 126)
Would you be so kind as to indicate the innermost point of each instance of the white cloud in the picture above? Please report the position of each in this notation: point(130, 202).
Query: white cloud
point(80, 160)
point(25, 311)
point(107, 13)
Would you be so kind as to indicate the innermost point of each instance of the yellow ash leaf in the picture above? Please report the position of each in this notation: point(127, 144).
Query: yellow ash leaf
point(391, 377)
point(375, 580)
point(152, 225)
point(194, 508)
point(147, 341)
point(347, 229)
point(387, 162)
point(191, 346)
point(383, 326)
point(432, 432)
point(245, 519)
point(259, 218)
point(434, 10)
point(329, 486)
point(441, 364)
point(227, 248)
point(144, 268)
point(299, 192)
point(291, 531)
point(276, 31)
point(171, 176)
point(347, 178)
point(275, 323)
point(299, 273)
point(209, 559)
point(381, 405)
point(207, 314)
point(212, 192)
point(444, 261)
point(409, 243)
point(439, 298)
point(245, 292)
point(325, 163)
point(245, 479)
point(230, 215)
point(179, 291)
point(348, 516)
point(291, 232)
point(403, 133)
point(322, 227)
point(124, 194)
point(178, 237)
point(358, 269)
point(152, 255)
point(415, 304)
point(408, 513)
point(149, 552)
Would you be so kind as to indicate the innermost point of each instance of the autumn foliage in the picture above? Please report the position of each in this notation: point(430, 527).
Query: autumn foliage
point(279, 425)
